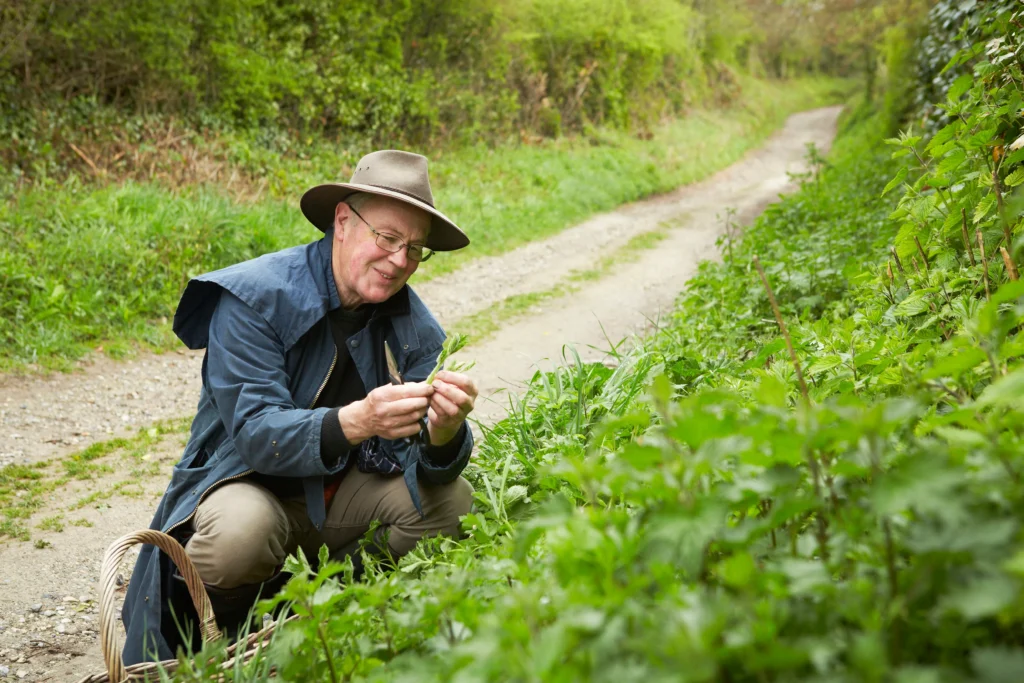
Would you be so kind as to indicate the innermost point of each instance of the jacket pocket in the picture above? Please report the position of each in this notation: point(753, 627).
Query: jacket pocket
point(193, 461)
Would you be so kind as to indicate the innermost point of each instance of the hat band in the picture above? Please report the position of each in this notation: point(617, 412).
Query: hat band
point(401, 191)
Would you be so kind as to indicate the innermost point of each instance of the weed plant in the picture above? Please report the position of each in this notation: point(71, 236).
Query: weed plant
point(691, 515)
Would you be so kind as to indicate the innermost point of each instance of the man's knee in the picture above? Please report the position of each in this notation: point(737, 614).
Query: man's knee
point(241, 536)
point(454, 501)
point(443, 506)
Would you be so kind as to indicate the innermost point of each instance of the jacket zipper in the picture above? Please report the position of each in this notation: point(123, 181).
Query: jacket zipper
point(334, 361)
point(319, 391)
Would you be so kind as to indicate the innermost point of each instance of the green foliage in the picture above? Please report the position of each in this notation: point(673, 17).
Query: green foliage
point(81, 265)
point(689, 515)
point(953, 26)
point(414, 71)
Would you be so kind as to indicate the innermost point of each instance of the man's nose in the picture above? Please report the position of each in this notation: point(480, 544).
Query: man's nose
point(400, 258)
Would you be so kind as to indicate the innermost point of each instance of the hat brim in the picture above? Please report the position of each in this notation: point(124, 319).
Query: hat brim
point(320, 203)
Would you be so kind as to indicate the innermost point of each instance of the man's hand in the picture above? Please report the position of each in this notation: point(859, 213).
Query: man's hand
point(390, 412)
point(453, 398)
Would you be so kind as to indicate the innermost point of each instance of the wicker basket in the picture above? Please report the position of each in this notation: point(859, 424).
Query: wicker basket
point(116, 670)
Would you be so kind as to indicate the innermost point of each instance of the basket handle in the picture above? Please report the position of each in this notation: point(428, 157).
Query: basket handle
point(108, 580)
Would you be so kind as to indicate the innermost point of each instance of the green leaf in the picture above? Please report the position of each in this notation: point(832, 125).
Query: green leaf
point(966, 439)
point(1008, 390)
point(959, 87)
point(823, 364)
point(1008, 291)
point(998, 665)
point(737, 570)
point(772, 391)
point(985, 597)
point(955, 364)
point(1015, 178)
point(901, 175)
point(769, 349)
point(952, 162)
point(452, 343)
point(915, 304)
point(983, 208)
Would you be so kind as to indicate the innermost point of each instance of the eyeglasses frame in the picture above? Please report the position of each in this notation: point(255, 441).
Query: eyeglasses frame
point(424, 250)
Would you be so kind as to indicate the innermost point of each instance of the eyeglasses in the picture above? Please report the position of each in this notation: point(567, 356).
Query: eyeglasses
point(393, 243)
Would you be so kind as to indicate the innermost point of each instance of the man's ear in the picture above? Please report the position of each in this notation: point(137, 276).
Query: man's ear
point(342, 213)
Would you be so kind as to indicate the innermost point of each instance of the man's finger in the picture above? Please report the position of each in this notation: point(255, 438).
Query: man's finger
point(405, 430)
point(463, 382)
point(454, 394)
point(395, 392)
point(444, 406)
point(404, 406)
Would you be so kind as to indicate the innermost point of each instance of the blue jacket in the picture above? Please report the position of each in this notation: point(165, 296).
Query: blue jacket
point(269, 352)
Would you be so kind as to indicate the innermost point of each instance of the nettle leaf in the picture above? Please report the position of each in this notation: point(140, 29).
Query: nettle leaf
point(984, 207)
point(1015, 178)
point(1008, 391)
point(966, 439)
point(985, 597)
point(944, 135)
point(915, 304)
point(737, 570)
point(956, 363)
point(901, 175)
point(959, 87)
point(952, 162)
point(823, 364)
point(769, 349)
point(922, 484)
point(983, 137)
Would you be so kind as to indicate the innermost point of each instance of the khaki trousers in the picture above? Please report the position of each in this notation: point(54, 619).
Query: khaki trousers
point(243, 532)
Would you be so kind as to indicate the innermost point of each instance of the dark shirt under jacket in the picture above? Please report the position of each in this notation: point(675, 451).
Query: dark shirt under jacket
point(343, 387)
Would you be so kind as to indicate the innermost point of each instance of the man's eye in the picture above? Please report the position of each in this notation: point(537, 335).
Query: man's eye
point(391, 240)
point(415, 250)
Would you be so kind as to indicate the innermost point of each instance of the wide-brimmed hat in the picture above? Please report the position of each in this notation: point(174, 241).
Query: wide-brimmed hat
point(388, 173)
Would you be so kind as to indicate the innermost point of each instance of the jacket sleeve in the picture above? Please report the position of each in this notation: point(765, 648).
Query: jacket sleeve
point(429, 471)
point(249, 385)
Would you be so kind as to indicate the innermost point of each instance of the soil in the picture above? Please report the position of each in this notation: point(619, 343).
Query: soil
point(48, 608)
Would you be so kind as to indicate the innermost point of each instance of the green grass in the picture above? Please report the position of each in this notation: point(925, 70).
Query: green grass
point(52, 523)
point(84, 267)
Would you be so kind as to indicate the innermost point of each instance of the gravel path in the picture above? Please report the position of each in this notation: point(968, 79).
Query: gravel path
point(47, 609)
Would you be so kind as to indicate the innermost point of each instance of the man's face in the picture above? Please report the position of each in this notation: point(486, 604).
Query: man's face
point(363, 272)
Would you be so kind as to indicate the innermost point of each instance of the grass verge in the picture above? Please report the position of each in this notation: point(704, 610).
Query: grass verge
point(83, 266)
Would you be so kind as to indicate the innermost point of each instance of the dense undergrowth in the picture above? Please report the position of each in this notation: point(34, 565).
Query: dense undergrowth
point(384, 72)
point(705, 511)
point(85, 264)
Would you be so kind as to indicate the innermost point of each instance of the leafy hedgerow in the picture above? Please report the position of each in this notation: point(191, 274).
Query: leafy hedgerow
point(691, 516)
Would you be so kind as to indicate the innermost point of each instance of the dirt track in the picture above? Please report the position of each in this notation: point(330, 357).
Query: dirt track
point(45, 418)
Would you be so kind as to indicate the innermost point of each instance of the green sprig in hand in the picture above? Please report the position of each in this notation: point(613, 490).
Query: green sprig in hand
point(452, 344)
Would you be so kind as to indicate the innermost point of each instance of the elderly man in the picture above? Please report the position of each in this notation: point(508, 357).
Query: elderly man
point(300, 438)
